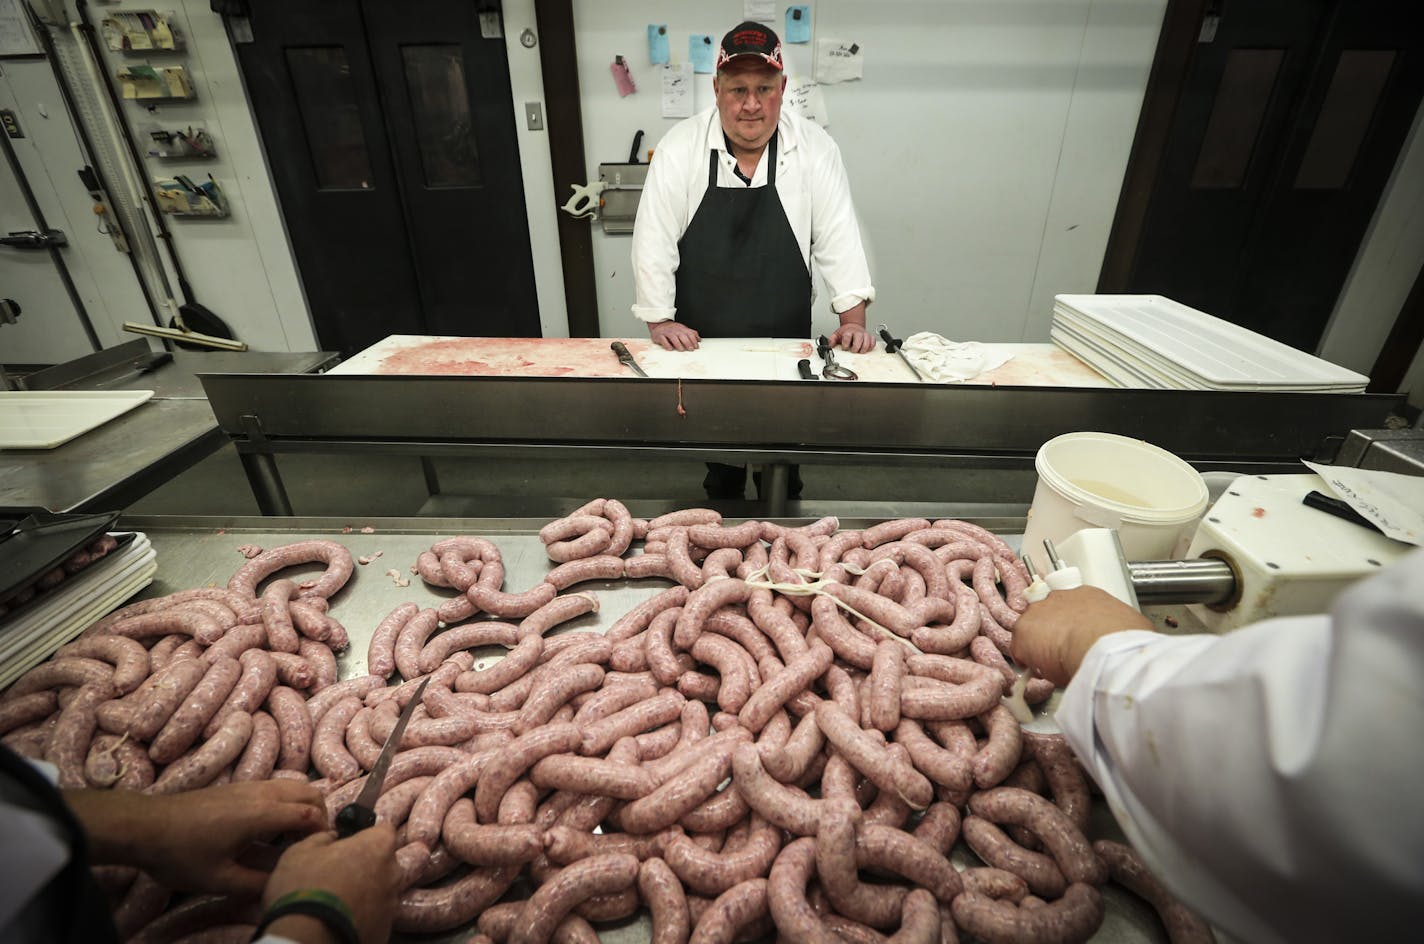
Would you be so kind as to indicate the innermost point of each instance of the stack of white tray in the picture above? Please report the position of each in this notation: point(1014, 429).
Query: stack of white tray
point(33, 632)
point(1153, 342)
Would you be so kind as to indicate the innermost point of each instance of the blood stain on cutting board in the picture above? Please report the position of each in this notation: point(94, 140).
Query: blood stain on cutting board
point(1055, 368)
point(507, 357)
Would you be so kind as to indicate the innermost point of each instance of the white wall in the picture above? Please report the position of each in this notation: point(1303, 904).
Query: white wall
point(985, 145)
point(1384, 271)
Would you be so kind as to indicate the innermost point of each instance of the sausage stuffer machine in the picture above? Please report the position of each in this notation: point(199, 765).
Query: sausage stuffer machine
point(1259, 552)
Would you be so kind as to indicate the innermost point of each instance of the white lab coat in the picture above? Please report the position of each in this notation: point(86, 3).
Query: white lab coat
point(1272, 777)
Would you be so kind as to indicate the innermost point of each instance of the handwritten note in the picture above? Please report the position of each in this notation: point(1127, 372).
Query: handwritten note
point(839, 60)
point(657, 43)
point(798, 25)
point(805, 98)
point(1391, 500)
point(701, 51)
point(677, 90)
point(760, 11)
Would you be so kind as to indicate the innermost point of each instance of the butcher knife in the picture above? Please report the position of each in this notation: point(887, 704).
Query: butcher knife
point(354, 817)
point(625, 357)
point(803, 366)
point(896, 346)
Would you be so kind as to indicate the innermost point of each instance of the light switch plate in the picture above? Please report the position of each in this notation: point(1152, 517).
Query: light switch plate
point(534, 115)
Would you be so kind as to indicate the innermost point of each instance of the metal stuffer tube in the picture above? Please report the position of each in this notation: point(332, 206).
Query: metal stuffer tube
point(1205, 580)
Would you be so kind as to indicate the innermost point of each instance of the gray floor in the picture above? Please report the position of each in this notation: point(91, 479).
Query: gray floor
point(394, 486)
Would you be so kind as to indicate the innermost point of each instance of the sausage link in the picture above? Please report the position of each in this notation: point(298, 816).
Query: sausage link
point(26, 709)
point(850, 646)
point(68, 746)
point(361, 686)
point(777, 690)
point(493, 844)
point(873, 905)
point(234, 643)
point(511, 761)
point(643, 716)
point(411, 639)
point(592, 775)
point(559, 610)
point(156, 700)
point(338, 560)
point(72, 672)
point(948, 768)
point(275, 604)
point(614, 698)
point(428, 814)
point(733, 666)
point(129, 658)
point(1127, 869)
point(510, 605)
point(786, 895)
point(199, 767)
point(1051, 825)
point(295, 727)
point(679, 794)
point(258, 676)
point(883, 693)
point(381, 651)
point(195, 623)
point(712, 873)
point(565, 845)
point(1074, 917)
point(1001, 754)
point(598, 875)
point(790, 762)
point(328, 749)
point(445, 907)
point(606, 566)
point(556, 690)
point(259, 758)
point(197, 709)
point(1065, 778)
point(662, 892)
point(871, 759)
point(774, 802)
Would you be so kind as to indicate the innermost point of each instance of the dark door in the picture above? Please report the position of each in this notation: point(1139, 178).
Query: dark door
point(1289, 125)
point(389, 129)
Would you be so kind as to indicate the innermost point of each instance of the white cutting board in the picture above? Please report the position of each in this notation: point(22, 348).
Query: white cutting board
point(43, 419)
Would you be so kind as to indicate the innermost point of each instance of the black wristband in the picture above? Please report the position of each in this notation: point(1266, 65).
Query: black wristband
point(314, 903)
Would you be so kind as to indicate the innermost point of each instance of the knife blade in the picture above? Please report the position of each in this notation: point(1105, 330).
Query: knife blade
point(361, 814)
point(625, 357)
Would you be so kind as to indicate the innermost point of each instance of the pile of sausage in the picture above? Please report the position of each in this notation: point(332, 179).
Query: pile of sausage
point(787, 741)
point(95, 550)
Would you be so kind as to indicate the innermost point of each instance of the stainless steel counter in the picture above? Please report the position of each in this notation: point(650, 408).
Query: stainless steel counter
point(123, 460)
point(196, 552)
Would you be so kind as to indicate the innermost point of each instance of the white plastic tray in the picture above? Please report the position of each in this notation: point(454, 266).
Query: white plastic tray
point(44, 419)
point(1223, 355)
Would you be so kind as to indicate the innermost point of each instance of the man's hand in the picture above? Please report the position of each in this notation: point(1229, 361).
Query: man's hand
point(361, 871)
point(854, 338)
point(194, 841)
point(1054, 634)
point(673, 336)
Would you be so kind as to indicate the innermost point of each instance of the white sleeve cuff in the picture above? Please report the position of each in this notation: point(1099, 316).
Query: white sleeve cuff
point(848, 300)
point(653, 315)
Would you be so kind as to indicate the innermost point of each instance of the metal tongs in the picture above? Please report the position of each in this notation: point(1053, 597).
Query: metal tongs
point(832, 370)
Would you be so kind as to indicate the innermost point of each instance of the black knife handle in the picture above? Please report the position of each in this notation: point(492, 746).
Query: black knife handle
point(1338, 508)
point(822, 346)
point(892, 344)
point(804, 366)
point(352, 818)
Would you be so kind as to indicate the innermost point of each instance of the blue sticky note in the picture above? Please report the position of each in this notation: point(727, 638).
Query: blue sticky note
point(658, 44)
point(798, 24)
point(701, 50)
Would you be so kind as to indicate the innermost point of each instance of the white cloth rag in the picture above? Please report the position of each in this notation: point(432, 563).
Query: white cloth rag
point(945, 361)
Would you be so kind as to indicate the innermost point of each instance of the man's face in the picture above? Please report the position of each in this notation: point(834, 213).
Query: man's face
point(749, 101)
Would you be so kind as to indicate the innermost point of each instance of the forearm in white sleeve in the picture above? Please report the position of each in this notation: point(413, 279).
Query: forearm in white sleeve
point(657, 228)
point(836, 246)
point(1268, 776)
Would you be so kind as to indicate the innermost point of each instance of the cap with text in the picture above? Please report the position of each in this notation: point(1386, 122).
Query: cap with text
point(750, 39)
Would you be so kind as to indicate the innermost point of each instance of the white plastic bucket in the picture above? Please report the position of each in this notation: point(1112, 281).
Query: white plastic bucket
point(1101, 480)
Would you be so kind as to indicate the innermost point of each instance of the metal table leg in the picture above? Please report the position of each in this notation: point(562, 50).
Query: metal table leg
point(775, 480)
point(432, 478)
point(266, 483)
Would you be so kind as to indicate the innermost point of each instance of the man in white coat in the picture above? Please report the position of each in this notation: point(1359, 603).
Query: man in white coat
point(1270, 777)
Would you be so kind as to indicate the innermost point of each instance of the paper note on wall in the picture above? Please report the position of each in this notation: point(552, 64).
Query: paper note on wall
point(759, 11)
point(805, 98)
point(657, 43)
point(838, 60)
point(798, 25)
point(677, 90)
point(700, 50)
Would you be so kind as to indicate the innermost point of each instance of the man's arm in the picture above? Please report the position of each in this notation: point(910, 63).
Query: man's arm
point(1266, 775)
point(657, 228)
point(836, 247)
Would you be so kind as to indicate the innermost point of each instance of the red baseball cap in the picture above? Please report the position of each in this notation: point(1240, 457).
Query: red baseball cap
point(750, 39)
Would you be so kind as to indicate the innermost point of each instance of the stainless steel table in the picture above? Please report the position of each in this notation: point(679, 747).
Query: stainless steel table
point(202, 551)
point(123, 460)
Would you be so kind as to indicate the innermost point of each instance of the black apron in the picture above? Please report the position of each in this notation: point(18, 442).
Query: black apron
point(740, 272)
point(71, 908)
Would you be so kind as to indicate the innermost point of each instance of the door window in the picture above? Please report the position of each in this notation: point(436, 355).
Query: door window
point(440, 108)
point(326, 99)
